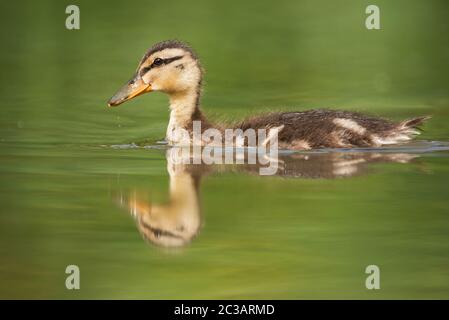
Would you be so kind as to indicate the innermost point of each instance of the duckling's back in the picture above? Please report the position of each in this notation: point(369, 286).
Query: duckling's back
point(334, 129)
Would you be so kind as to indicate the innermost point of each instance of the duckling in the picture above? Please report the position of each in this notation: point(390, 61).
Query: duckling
point(173, 67)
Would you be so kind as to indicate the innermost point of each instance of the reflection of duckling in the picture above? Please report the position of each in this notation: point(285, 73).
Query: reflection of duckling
point(176, 223)
point(337, 164)
point(173, 68)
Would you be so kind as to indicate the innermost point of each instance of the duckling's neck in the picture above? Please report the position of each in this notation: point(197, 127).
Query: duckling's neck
point(183, 106)
point(184, 109)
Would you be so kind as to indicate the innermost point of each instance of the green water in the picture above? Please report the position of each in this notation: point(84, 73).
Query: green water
point(308, 235)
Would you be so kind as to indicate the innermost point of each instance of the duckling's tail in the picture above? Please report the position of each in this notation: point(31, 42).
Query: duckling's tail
point(404, 131)
point(413, 124)
point(408, 129)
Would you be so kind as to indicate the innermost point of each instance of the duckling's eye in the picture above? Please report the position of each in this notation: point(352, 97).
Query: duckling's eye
point(158, 62)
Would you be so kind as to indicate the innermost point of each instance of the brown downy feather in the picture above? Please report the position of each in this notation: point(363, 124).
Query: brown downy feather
point(334, 129)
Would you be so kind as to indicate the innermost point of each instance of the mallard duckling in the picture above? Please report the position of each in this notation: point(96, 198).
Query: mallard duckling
point(173, 67)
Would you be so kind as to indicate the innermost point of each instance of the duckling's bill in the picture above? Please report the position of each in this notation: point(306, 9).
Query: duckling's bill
point(135, 87)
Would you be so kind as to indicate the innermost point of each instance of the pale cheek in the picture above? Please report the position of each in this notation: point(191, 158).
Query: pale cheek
point(166, 83)
point(148, 79)
point(155, 82)
point(170, 83)
point(157, 85)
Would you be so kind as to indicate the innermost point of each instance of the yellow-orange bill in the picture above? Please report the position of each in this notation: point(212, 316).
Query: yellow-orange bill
point(132, 89)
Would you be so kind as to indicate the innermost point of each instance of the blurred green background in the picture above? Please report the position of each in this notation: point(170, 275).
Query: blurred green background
point(265, 237)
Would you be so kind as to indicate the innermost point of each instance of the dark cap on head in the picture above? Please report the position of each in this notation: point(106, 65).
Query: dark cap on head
point(169, 44)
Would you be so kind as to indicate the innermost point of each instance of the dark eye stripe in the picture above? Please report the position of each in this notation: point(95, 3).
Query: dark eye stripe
point(164, 62)
point(159, 232)
point(169, 60)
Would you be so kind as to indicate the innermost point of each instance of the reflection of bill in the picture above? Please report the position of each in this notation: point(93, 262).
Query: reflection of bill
point(235, 146)
point(177, 222)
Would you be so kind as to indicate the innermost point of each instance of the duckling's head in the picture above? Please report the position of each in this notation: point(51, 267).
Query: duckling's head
point(169, 66)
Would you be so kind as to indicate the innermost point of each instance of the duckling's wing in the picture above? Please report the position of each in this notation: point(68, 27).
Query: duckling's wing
point(342, 129)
